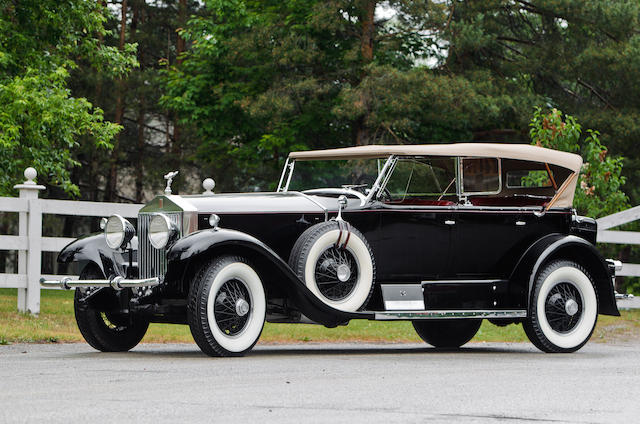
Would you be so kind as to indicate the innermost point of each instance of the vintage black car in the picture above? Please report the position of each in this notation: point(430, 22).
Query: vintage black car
point(443, 236)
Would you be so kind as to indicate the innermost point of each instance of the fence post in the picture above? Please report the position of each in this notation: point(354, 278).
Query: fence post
point(30, 226)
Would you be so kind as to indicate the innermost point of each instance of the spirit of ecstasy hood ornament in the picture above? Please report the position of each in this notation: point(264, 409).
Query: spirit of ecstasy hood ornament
point(169, 177)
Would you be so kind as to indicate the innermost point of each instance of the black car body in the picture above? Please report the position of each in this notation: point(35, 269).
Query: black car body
point(444, 235)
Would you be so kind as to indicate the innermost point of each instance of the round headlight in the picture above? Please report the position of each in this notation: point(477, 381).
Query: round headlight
point(118, 232)
point(161, 231)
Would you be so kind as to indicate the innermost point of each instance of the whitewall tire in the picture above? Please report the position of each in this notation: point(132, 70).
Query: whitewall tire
point(564, 308)
point(337, 268)
point(227, 307)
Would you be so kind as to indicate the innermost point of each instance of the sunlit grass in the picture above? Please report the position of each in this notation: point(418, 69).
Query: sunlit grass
point(56, 323)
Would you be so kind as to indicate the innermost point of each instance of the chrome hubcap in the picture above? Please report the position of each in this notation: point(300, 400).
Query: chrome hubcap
point(563, 307)
point(242, 307)
point(232, 307)
point(343, 272)
point(571, 307)
point(336, 273)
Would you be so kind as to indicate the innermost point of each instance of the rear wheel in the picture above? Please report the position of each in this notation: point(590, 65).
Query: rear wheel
point(227, 307)
point(447, 333)
point(106, 331)
point(564, 308)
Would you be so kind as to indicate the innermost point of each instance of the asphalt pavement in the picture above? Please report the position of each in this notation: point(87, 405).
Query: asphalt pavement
point(317, 383)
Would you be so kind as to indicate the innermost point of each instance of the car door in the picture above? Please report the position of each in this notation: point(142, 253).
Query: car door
point(490, 236)
point(415, 215)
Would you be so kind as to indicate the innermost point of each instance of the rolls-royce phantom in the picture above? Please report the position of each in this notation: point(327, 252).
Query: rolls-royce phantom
point(442, 235)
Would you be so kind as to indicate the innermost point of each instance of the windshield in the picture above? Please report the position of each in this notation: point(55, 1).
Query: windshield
point(354, 173)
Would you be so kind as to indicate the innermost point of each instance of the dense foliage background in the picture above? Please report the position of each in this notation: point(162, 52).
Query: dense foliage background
point(130, 89)
point(103, 97)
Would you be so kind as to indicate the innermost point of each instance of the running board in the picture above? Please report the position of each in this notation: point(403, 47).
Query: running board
point(411, 315)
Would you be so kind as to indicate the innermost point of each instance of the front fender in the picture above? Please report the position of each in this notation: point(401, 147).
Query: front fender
point(93, 248)
point(210, 243)
point(570, 247)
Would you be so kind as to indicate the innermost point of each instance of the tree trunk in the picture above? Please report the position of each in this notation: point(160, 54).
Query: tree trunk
point(110, 194)
point(368, 10)
point(93, 158)
point(176, 143)
point(141, 120)
point(182, 17)
point(140, 148)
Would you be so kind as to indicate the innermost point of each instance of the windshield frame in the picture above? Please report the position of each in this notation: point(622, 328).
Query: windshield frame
point(289, 166)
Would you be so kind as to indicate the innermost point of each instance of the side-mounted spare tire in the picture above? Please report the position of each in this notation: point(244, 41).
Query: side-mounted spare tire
point(336, 263)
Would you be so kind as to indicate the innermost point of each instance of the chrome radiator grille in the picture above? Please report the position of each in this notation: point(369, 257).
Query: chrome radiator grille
point(151, 261)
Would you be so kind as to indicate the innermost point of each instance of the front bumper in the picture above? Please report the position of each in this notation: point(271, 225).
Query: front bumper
point(116, 283)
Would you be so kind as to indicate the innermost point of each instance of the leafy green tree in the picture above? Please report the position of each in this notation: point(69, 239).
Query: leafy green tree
point(266, 77)
point(579, 56)
point(41, 122)
point(599, 190)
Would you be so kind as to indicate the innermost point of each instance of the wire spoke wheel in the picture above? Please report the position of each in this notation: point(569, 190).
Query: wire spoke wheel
point(563, 307)
point(563, 310)
point(336, 273)
point(232, 306)
point(227, 306)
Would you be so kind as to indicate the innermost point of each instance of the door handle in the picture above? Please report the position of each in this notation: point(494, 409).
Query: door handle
point(450, 222)
point(521, 223)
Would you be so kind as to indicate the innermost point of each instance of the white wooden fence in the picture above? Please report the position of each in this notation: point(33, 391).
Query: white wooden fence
point(30, 244)
point(606, 235)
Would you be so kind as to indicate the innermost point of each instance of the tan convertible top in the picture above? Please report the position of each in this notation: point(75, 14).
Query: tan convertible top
point(493, 150)
point(564, 194)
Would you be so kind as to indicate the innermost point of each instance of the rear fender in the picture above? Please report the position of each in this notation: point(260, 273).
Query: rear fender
point(562, 246)
point(188, 253)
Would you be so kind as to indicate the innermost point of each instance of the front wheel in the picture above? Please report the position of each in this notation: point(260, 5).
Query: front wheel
point(106, 331)
point(447, 333)
point(227, 307)
point(564, 308)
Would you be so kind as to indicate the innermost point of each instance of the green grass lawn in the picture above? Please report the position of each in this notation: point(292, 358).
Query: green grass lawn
point(56, 323)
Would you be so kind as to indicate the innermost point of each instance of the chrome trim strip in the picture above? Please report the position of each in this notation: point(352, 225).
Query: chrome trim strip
point(463, 281)
point(411, 315)
point(117, 283)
